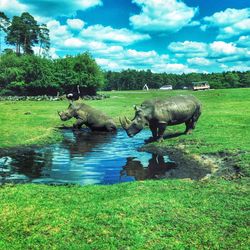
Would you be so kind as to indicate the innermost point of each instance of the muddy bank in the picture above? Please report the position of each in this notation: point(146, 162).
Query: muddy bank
point(220, 165)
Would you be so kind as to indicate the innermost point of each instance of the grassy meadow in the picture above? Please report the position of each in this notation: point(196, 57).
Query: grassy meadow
point(166, 214)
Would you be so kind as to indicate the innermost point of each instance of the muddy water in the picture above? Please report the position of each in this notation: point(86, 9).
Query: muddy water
point(88, 158)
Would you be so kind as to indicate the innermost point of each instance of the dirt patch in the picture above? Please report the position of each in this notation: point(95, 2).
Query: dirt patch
point(229, 165)
point(220, 165)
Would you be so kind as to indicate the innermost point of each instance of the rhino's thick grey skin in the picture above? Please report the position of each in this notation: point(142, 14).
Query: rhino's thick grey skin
point(92, 118)
point(160, 113)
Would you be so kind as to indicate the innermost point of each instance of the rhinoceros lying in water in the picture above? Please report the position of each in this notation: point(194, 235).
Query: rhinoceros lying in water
point(92, 118)
point(160, 113)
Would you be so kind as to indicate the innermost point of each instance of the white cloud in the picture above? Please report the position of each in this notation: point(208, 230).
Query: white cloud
point(58, 33)
point(203, 27)
point(162, 15)
point(12, 7)
point(194, 23)
point(228, 52)
point(141, 54)
point(203, 54)
point(239, 68)
point(109, 34)
point(63, 38)
point(140, 60)
point(51, 53)
point(188, 47)
point(227, 17)
point(244, 41)
point(75, 24)
point(47, 8)
point(200, 61)
point(74, 43)
point(109, 64)
point(231, 22)
point(219, 48)
point(175, 68)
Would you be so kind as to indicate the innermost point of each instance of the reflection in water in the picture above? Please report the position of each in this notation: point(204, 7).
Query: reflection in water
point(85, 157)
point(157, 167)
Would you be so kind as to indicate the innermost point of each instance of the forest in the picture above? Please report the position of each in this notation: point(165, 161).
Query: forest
point(133, 80)
point(24, 73)
point(29, 74)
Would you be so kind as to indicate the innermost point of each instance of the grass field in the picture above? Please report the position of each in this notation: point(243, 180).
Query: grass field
point(167, 214)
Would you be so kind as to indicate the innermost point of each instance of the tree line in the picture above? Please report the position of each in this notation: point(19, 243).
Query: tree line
point(29, 74)
point(134, 79)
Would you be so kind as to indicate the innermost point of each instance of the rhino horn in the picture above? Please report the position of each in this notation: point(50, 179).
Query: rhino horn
point(124, 123)
point(59, 113)
point(127, 121)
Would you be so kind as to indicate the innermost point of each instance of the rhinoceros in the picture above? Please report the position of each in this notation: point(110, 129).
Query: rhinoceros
point(85, 114)
point(159, 113)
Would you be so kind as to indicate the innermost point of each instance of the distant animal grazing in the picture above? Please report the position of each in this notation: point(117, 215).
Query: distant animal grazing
point(160, 113)
point(92, 118)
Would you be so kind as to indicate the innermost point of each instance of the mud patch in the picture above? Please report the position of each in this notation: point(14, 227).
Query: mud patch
point(220, 165)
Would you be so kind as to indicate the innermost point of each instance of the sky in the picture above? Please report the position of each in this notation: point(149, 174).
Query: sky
point(172, 36)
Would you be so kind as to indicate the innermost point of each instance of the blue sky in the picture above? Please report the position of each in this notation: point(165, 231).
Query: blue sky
point(170, 36)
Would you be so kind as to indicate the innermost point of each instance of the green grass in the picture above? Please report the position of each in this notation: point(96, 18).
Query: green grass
point(142, 215)
point(167, 214)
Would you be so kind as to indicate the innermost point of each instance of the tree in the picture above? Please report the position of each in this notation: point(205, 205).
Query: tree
point(79, 70)
point(23, 32)
point(4, 23)
point(245, 79)
point(87, 73)
point(44, 40)
point(232, 79)
point(14, 33)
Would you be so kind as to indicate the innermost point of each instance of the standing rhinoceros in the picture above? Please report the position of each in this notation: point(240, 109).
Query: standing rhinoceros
point(160, 113)
point(92, 118)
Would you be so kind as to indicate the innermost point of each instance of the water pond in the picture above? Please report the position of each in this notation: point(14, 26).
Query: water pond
point(89, 158)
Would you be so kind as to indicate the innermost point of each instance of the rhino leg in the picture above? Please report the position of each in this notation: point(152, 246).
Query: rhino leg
point(161, 129)
point(78, 124)
point(157, 132)
point(190, 124)
point(188, 127)
point(153, 129)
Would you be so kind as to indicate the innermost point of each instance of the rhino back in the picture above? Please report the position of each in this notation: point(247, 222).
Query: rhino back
point(172, 110)
point(83, 110)
point(95, 117)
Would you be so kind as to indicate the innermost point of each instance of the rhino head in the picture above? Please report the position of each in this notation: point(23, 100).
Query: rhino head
point(136, 125)
point(69, 113)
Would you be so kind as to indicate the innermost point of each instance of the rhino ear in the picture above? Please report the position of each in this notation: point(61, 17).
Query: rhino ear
point(136, 108)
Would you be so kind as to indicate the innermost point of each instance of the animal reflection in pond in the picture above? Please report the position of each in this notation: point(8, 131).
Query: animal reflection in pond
point(84, 142)
point(157, 168)
point(25, 165)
